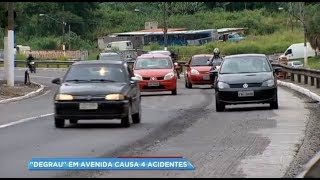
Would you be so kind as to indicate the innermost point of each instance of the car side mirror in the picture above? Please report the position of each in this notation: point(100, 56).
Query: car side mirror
point(277, 69)
point(134, 80)
point(56, 81)
point(176, 65)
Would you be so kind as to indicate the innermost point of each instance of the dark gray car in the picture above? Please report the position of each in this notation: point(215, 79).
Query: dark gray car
point(244, 79)
point(110, 56)
point(97, 90)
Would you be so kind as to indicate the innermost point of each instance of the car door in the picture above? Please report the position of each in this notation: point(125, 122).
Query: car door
point(134, 91)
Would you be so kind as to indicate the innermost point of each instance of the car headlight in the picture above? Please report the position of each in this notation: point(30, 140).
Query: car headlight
point(268, 83)
point(169, 76)
point(138, 76)
point(194, 71)
point(63, 97)
point(222, 85)
point(115, 97)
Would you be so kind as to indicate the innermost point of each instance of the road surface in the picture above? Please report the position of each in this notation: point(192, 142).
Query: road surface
point(244, 141)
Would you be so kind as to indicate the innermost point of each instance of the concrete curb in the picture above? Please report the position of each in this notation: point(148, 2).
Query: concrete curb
point(302, 90)
point(311, 166)
point(29, 95)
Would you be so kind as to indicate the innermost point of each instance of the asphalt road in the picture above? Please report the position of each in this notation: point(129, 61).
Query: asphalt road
point(244, 141)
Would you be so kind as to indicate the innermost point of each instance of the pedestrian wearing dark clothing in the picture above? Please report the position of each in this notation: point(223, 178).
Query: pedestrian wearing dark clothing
point(174, 58)
point(29, 61)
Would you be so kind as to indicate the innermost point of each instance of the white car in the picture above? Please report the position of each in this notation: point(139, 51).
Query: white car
point(295, 64)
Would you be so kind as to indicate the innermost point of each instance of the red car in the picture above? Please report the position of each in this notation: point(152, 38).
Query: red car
point(197, 72)
point(156, 73)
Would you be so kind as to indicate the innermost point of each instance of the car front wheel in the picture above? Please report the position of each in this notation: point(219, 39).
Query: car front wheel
point(59, 123)
point(188, 85)
point(274, 104)
point(136, 118)
point(219, 105)
point(174, 92)
point(126, 121)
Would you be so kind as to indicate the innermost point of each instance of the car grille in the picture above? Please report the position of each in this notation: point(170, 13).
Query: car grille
point(89, 98)
point(241, 85)
point(157, 78)
point(258, 95)
point(103, 108)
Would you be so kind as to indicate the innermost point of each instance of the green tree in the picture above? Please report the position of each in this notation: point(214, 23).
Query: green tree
point(313, 27)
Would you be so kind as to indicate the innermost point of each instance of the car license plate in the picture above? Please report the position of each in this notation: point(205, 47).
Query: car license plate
point(88, 106)
point(245, 93)
point(206, 77)
point(153, 84)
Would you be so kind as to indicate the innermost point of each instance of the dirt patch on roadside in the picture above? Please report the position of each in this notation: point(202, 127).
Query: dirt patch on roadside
point(19, 89)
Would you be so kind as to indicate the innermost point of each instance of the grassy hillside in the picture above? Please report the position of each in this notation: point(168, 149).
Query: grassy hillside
point(277, 42)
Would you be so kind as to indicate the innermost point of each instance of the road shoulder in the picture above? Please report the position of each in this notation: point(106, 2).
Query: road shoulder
point(311, 142)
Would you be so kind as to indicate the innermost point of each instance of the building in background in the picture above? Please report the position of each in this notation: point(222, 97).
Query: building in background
point(176, 36)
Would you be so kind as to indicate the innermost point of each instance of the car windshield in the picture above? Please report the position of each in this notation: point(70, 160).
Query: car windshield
point(296, 63)
point(153, 63)
point(159, 52)
point(110, 57)
point(95, 73)
point(200, 61)
point(245, 64)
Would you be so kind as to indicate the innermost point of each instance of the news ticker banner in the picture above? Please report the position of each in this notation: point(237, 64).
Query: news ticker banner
point(110, 164)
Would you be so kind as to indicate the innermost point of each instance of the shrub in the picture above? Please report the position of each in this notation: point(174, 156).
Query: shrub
point(21, 56)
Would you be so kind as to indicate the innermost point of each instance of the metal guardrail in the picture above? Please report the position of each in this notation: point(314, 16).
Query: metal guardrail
point(309, 75)
point(46, 63)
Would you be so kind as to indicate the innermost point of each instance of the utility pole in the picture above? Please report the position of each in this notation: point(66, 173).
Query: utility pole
point(69, 38)
point(303, 14)
point(165, 30)
point(5, 53)
point(63, 33)
point(10, 45)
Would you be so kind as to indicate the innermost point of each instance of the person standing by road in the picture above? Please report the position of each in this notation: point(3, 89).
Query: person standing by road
point(30, 63)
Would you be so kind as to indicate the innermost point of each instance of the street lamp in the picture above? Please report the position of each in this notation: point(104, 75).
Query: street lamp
point(63, 30)
point(165, 29)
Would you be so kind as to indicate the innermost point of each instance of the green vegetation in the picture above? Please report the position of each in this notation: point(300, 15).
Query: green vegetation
point(21, 57)
point(88, 20)
point(268, 30)
point(267, 44)
point(314, 62)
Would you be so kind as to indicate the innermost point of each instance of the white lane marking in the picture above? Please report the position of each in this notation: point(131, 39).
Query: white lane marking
point(25, 120)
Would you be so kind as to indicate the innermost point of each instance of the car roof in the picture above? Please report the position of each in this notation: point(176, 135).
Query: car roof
point(202, 55)
point(245, 55)
point(153, 56)
point(109, 53)
point(159, 52)
point(116, 62)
